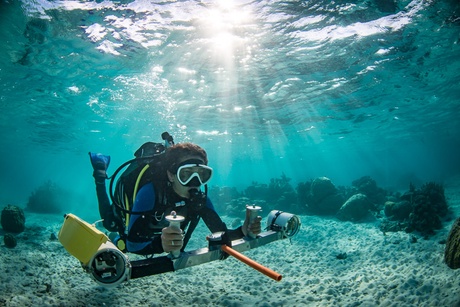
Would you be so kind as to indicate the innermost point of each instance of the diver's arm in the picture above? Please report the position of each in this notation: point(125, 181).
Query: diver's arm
point(146, 248)
point(215, 223)
point(105, 208)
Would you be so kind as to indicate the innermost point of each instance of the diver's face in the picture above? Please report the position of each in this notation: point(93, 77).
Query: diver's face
point(180, 189)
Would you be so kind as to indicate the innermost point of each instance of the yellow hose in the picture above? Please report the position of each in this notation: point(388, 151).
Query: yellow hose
point(138, 180)
point(127, 214)
point(136, 187)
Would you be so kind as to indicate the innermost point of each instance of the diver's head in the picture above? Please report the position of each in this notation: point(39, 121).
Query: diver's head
point(187, 168)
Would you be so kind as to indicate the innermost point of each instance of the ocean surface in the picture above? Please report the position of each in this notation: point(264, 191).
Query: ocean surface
point(342, 89)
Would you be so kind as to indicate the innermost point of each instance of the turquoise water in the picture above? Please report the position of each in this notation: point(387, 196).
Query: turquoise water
point(305, 88)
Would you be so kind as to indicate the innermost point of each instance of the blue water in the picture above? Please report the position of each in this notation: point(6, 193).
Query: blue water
point(305, 88)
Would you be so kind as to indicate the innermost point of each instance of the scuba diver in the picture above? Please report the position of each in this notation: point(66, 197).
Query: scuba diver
point(174, 189)
point(155, 205)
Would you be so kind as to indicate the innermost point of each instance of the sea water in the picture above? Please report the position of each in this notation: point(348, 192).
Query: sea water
point(299, 89)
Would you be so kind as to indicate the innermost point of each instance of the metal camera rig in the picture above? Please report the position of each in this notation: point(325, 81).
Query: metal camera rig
point(109, 267)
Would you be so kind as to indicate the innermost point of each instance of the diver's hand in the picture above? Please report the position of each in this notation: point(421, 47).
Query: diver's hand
point(172, 239)
point(254, 227)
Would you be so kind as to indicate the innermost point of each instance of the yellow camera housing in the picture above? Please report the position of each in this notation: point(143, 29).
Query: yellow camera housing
point(81, 239)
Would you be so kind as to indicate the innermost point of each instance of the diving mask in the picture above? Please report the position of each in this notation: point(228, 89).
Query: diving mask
point(187, 172)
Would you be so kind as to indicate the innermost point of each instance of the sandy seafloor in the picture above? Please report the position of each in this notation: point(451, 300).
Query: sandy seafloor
point(380, 270)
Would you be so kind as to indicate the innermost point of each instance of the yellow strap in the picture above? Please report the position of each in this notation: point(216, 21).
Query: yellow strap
point(138, 180)
point(127, 214)
point(136, 187)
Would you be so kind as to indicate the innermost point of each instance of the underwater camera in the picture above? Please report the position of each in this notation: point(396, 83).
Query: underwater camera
point(287, 223)
point(110, 267)
point(98, 256)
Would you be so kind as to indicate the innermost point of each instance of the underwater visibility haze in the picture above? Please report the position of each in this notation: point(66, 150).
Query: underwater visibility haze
point(342, 89)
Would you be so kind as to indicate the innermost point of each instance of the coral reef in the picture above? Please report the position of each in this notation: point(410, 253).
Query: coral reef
point(321, 188)
point(236, 207)
point(368, 186)
point(256, 191)
point(452, 251)
point(13, 219)
point(419, 210)
point(48, 198)
point(303, 192)
point(279, 194)
point(355, 209)
point(9, 240)
point(324, 198)
point(222, 196)
point(398, 211)
point(429, 207)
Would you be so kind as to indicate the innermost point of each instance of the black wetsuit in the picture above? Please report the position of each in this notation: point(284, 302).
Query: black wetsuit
point(144, 230)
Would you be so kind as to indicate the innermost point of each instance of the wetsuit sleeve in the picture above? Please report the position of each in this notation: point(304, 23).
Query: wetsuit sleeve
point(215, 223)
point(140, 238)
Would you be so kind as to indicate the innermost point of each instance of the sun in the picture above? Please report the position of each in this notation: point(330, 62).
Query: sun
point(223, 26)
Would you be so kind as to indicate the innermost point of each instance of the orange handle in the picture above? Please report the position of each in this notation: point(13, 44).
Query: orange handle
point(264, 270)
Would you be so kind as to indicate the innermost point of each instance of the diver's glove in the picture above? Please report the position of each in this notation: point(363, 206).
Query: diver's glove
point(100, 164)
